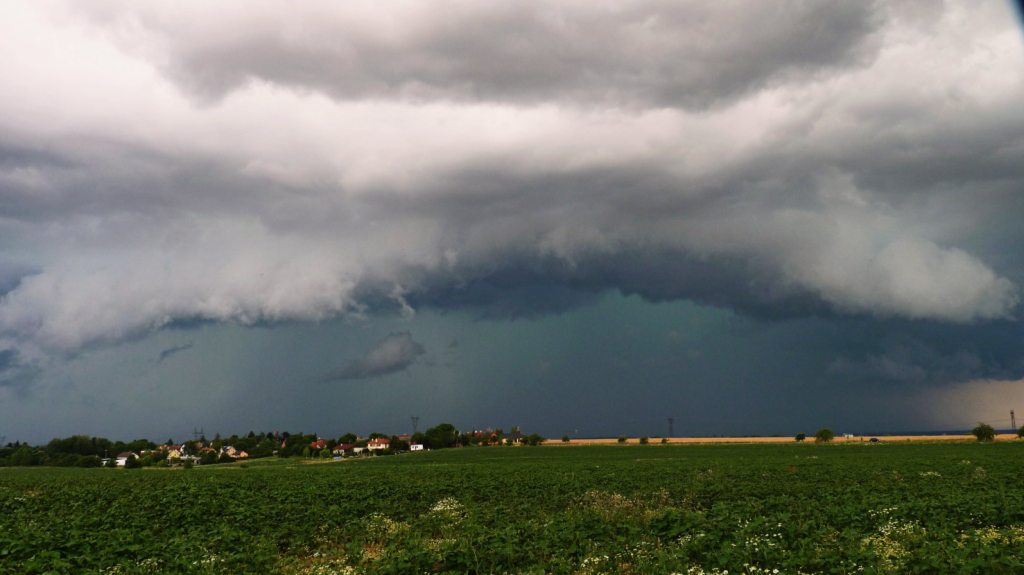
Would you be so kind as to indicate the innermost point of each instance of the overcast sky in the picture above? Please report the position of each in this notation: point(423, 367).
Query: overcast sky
point(580, 217)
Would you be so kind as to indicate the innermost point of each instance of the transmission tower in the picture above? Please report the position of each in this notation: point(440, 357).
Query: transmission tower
point(3, 438)
point(197, 432)
point(671, 431)
point(415, 423)
point(1013, 423)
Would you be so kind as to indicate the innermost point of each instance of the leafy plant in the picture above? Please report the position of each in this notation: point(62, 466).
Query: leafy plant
point(801, 436)
point(622, 439)
point(984, 432)
point(824, 435)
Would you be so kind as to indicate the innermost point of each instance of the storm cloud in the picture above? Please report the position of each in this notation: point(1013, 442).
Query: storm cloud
point(394, 353)
point(258, 163)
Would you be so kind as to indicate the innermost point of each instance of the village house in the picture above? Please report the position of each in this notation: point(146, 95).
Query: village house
point(343, 448)
point(318, 445)
point(123, 457)
point(378, 444)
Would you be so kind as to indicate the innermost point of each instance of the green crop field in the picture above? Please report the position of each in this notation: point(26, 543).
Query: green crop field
point(856, 508)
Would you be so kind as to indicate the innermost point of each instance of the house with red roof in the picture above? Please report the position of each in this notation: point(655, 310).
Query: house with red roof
point(378, 444)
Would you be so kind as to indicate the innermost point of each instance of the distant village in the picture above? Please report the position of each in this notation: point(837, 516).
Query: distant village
point(86, 451)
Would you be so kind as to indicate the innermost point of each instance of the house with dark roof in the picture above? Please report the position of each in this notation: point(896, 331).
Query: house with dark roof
point(343, 448)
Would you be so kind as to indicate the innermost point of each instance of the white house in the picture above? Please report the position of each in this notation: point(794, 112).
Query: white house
point(378, 444)
point(122, 458)
point(416, 447)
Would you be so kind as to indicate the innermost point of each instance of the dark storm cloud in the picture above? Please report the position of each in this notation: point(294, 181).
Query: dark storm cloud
point(648, 52)
point(394, 353)
point(15, 371)
point(781, 159)
point(172, 351)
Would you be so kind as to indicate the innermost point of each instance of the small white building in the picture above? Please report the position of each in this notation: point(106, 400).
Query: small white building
point(416, 447)
point(122, 457)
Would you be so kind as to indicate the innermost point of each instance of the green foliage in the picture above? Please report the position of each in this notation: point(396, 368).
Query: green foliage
point(664, 440)
point(984, 432)
point(565, 438)
point(906, 508)
point(441, 436)
point(801, 436)
point(622, 439)
point(1020, 433)
point(534, 439)
point(187, 464)
point(824, 435)
point(644, 440)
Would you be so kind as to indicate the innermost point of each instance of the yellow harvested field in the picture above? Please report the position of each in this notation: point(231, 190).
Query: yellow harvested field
point(857, 439)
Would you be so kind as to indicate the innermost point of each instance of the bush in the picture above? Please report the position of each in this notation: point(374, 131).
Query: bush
point(187, 464)
point(664, 440)
point(984, 432)
point(534, 439)
point(801, 436)
point(132, 463)
point(644, 440)
point(1020, 433)
point(824, 435)
point(565, 439)
point(622, 439)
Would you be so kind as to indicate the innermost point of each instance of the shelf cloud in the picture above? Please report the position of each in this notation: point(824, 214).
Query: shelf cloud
point(258, 163)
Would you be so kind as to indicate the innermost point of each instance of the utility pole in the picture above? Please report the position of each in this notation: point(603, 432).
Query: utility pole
point(415, 423)
point(671, 431)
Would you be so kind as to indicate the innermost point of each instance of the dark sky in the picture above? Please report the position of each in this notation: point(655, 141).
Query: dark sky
point(581, 217)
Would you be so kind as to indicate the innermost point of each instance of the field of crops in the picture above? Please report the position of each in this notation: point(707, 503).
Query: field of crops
point(859, 508)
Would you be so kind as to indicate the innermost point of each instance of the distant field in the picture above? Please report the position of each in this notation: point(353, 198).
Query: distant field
point(692, 440)
point(813, 509)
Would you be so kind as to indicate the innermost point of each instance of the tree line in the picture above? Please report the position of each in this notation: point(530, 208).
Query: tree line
point(87, 451)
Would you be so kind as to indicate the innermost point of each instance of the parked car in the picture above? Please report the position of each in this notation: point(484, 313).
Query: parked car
point(875, 440)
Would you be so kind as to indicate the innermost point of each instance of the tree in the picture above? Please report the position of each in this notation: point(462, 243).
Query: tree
point(664, 440)
point(132, 463)
point(824, 435)
point(25, 456)
point(1020, 433)
point(441, 436)
point(644, 440)
point(622, 439)
point(565, 438)
point(801, 436)
point(305, 452)
point(984, 432)
point(187, 464)
point(535, 439)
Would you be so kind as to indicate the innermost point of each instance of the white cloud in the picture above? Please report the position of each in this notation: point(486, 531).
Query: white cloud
point(252, 164)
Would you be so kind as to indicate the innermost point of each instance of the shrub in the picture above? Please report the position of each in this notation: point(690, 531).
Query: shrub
point(535, 439)
point(801, 436)
point(824, 435)
point(187, 464)
point(984, 432)
point(1020, 432)
point(644, 440)
point(622, 439)
point(664, 440)
point(565, 439)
